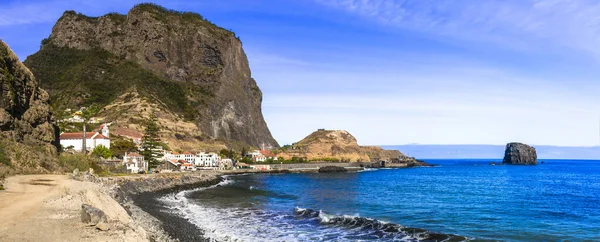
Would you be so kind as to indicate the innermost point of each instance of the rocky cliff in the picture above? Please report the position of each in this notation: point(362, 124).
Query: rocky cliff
point(28, 133)
point(337, 145)
point(190, 69)
point(519, 154)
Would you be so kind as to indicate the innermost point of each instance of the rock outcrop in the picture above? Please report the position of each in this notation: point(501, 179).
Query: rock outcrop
point(519, 154)
point(28, 133)
point(329, 169)
point(182, 65)
point(337, 145)
point(25, 113)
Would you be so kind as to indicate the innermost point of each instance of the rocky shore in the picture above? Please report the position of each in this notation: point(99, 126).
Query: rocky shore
point(139, 194)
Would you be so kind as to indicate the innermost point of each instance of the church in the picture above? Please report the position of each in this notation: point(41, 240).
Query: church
point(92, 139)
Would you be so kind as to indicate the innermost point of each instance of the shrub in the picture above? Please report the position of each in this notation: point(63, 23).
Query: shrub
point(3, 157)
point(102, 151)
point(80, 161)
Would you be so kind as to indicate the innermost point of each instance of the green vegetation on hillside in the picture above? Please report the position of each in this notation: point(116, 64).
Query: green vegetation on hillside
point(162, 14)
point(78, 78)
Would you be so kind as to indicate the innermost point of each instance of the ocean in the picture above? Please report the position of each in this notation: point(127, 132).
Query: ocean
point(457, 200)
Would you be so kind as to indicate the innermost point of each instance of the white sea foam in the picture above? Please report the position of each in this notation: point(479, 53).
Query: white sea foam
point(368, 169)
point(252, 224)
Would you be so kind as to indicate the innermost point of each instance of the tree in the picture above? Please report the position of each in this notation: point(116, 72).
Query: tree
point(227, 153)
point(121, 145)
point(102, 151)
point(151, 145)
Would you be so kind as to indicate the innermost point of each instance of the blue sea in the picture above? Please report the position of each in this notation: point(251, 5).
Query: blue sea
point(555, 201)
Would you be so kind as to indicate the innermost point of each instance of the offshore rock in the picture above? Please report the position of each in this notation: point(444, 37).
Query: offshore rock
point(519, 154)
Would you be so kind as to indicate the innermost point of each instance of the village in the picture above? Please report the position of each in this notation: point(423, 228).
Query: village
point(170, 161)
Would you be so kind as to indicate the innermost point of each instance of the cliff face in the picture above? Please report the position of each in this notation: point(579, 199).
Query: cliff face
point(180, 61)
point(519, 154)
point(25, 113)
point(28, 133)
point(337, 145)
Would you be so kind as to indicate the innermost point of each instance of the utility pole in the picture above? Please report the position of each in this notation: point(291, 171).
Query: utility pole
point(83, 148)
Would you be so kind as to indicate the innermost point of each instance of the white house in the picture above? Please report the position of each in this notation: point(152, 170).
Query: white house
point(134, 162)
point(92, 140)
point(226, 164)
point(257, 156)
point(186, 156)
point(207, 159)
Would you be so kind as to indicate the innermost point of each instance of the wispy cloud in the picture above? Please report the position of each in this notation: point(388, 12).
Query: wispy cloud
point(515, 23)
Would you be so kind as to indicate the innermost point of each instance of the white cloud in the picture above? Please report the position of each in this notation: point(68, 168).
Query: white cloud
point(515, 23)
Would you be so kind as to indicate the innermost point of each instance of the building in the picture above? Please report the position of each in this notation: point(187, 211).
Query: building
point(185, 156)
point(187, 167)
point(226, 164)
point(135, 136)
point(75, 140)
point(261, 167)
point(256, 156)
point(207, 159)
point(134, 162)
point(268, 155)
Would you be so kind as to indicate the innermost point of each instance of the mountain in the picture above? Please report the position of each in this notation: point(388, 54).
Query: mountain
point(28, 133)
point(336, 145)
point(494, 151)
point(191, 73)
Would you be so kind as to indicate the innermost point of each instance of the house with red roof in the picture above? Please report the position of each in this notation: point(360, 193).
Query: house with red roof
point(135, 162)
point(75, 140)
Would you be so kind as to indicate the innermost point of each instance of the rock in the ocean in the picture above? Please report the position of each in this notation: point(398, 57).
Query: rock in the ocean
point(92, 216)
point(332, 169)
point(519, 154)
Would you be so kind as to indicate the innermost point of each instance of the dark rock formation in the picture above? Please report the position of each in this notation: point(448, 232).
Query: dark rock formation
point(28, 133)
point(25, 113)
point(332, 169)
point(177, 60)
point(91, 215)
point(519, 154)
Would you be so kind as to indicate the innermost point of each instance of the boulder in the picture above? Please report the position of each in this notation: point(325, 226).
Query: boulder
point(332, 169)
point(102, 226)
point(92, 216)
point(519, 154)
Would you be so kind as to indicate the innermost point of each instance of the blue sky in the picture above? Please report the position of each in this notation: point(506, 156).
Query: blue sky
point(398, 71)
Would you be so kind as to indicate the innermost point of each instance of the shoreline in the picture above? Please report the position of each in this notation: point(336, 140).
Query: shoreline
point(179, 228)
point(130, 203)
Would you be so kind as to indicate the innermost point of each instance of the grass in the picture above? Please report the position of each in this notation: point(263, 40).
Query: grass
point(76, 78)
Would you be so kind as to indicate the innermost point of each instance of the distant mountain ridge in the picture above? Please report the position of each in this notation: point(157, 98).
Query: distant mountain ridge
point(493, 151)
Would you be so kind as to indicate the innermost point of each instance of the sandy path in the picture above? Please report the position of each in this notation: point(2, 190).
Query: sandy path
point(47, 208)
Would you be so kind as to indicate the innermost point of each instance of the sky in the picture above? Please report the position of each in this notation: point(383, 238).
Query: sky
point(397, 72)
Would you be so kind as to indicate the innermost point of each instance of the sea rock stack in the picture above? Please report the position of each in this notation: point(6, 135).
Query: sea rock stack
point(519, 154)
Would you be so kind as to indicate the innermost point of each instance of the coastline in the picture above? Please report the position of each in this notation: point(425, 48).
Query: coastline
point(130, 203)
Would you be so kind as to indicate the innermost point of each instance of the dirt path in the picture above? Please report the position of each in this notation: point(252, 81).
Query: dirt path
point(47, 208)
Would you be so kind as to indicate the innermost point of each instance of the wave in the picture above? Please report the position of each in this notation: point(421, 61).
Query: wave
point(379, 228)
point(368, 169)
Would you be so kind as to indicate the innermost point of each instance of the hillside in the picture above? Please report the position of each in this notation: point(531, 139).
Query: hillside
point(28, 133)
point(336, 145)
point(193, 74)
